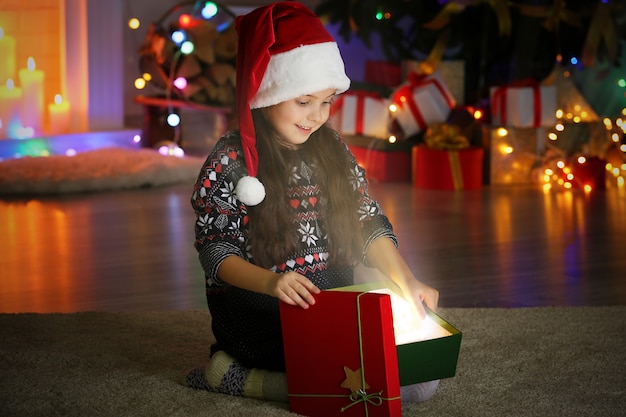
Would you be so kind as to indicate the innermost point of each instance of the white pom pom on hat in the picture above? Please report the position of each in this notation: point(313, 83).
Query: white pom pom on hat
point(250, 191)
point(284, 52)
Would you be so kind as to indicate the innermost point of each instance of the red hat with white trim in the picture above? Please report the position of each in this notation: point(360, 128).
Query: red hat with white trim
point(284, 52)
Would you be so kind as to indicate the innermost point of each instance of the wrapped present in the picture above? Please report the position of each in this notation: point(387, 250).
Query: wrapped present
point(441, 169)
point(514, 153)
point(452, 74)
point(341, 356)
point(523, 104)
point(420, 102)
point(382, 161)
point(361, 113)
point(428, 349)
point(582, 173)
point(385, 73)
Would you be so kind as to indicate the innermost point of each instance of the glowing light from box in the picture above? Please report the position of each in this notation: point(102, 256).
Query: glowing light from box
point(582, 160)
point(559, 127)
point(478, 114)
point(147, 76)
point(209, 10)
point(408, 326)
point(621, 82)
point(70, 152)
point(140, 83)
point(559, 114)
point(587, 188)
point(187, 47)
point(552, 136)
point(502, 132)
point(137, 138)
point(392, 139)
point(180, 83)
point(393, 108)
point(607, 123)
point(134, 23)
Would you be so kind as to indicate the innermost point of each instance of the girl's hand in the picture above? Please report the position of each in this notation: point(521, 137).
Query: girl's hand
point(293, 288)
point(422, 293)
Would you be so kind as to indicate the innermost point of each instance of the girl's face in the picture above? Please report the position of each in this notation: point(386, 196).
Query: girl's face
point(295, 120)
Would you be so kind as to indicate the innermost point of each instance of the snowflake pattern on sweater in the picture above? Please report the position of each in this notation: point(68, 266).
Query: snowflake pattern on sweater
point(251, 331)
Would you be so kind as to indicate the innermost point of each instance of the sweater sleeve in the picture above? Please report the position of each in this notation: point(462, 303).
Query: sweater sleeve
point(221, 219)
point(374, 223)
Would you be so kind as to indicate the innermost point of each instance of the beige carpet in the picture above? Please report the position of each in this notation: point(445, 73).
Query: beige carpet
point(103, 169)
point(517, 362)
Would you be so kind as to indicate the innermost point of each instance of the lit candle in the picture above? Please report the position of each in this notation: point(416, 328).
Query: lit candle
point(31, 81)
point(10, 102)
point(59, 115)
point(7, 57)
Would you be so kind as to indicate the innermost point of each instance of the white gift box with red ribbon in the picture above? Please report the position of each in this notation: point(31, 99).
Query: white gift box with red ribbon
point(362, 113)
point(523, 104)
point(421, 102)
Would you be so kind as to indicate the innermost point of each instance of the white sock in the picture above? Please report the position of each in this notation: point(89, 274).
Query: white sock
point(418, 393)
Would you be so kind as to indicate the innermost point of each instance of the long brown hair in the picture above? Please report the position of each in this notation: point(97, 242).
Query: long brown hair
point(273, 234)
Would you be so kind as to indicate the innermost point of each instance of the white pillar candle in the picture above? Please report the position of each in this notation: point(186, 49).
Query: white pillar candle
point(7, 57)
point(31, 81)
point(10, 103)
point(59, 115)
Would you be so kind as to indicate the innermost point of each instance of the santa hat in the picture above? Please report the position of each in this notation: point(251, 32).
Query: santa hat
point(284, 52)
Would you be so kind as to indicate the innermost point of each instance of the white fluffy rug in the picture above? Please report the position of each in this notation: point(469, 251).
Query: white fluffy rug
point(98, 170)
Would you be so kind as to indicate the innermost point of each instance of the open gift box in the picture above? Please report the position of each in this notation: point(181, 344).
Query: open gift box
point(426, 351)
point(342, 356)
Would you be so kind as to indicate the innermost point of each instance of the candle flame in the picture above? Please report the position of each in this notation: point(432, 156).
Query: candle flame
point(10, 84)
point(58, 99)
point(31, 63)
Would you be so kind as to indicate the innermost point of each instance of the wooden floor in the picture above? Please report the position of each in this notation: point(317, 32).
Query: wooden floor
point(496, 247)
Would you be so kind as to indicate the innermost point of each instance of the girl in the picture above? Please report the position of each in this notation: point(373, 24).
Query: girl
point(282, 207)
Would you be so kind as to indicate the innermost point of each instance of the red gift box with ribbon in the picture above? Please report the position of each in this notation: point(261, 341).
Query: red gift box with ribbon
point(341, 357)
point(523, 103)
point(361, 113)
point(421, 102)
point(440, 169)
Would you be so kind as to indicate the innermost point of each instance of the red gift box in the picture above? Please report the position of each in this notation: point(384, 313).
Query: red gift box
point(447, 170)
point(421, 102)
point(589, 172)
point(341, 356)
point(383, 165)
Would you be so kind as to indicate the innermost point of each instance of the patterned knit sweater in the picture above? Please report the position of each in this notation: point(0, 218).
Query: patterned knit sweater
point(247, 324)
